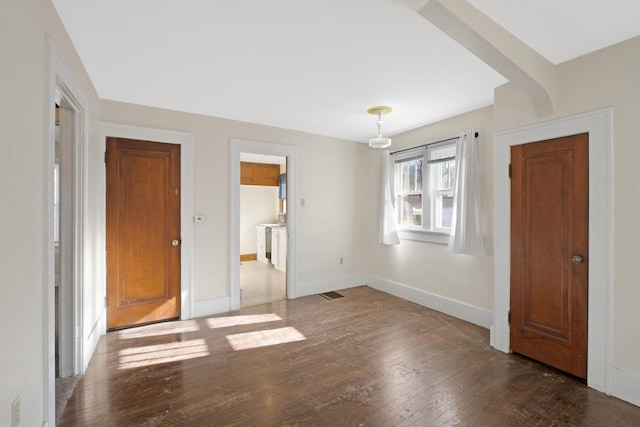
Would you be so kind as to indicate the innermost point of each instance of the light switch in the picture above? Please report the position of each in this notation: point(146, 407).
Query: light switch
point(198, 219)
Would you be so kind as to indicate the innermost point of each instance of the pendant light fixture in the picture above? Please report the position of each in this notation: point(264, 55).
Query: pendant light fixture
point(379, 141)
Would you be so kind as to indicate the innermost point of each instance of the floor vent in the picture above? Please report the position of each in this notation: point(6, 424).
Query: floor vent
point(331, 295)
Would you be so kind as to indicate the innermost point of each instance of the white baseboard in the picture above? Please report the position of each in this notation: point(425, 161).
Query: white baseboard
point(212, 306)
point(327, 285)
point(470, 313)
point(208, 307)
point(91, 343)
point(625, 386)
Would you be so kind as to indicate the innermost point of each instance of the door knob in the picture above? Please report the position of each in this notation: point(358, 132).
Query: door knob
point(176, 242)
point(577, 259)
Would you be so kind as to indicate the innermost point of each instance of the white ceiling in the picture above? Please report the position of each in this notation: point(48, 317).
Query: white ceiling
point(317, 66)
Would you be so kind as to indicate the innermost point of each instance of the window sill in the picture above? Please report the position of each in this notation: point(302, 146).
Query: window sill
point(424, 236)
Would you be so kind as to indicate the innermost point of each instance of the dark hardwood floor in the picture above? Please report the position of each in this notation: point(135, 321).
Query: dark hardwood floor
point(368, 359)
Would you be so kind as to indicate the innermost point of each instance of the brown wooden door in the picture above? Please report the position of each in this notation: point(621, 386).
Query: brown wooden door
point(143, 232)
point(549, 227)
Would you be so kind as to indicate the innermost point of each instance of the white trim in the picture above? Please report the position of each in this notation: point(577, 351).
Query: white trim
point(424, 236)
point(332, 284)
point(470, 313)
point(92, 340)
point(625, 385)
point(67, 274)
point(185, 140)
point(208, 307)
point(599, 126)
point(61, 82)
point(246, 146)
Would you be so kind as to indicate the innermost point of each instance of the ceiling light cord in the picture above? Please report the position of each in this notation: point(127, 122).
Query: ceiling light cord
point(380, 122)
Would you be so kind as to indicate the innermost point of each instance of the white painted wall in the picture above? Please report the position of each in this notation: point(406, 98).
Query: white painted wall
point(428, 267)
point(608, 77)
point(331, 179)
point(258, 205)
point(338, 179)
point(23, 55)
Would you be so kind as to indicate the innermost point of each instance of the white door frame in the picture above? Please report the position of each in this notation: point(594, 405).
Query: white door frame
point(185, 140)
point(61, 83)
point(68, 291)
point(289, 151)
point(599, 126)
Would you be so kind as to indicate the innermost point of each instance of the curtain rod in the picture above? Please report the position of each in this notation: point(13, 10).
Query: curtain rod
point(430, 143)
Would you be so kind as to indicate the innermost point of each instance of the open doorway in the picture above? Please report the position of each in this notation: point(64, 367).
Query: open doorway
point(66, 241)
point(239, 146)
point(263, 228)
point(65, 353)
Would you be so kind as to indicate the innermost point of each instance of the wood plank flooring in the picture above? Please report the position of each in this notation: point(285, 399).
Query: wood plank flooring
point(368, 359)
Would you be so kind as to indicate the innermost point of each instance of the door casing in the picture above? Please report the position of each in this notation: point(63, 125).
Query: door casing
point(185, 140)
point(598, 124)
point(61, 83)
point(69, 289)
point(289, 151)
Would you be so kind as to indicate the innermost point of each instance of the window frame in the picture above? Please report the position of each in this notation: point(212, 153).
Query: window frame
point(428, 231)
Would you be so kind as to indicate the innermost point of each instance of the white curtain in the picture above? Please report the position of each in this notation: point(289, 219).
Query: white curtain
point(466, 224)
point(388, 231)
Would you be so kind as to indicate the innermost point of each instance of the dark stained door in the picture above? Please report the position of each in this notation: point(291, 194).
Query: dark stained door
point(143, 232)
point(549, 252)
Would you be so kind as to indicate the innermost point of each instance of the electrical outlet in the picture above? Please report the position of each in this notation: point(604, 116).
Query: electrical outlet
point(15, 412)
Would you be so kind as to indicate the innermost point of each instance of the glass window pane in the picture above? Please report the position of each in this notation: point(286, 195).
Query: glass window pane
point(445, 175)
point(408, 176)
point(444, 210)
point(409, 210)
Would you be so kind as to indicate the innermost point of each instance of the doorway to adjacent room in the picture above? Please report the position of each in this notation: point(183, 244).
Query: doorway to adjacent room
point(279, 259)
point(263, 228)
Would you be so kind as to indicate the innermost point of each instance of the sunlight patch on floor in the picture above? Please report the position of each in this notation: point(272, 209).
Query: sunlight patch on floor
point(160, 329)
point(265, 338)
point(225, 322)
point(137, 357)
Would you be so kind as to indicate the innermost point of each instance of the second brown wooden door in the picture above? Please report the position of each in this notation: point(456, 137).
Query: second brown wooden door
point(549, 252)
point(143, 232)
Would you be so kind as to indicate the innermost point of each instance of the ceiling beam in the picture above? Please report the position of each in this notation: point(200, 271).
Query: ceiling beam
point(494, 45)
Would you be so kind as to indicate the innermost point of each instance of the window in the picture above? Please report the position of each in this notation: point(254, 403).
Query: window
point(424, 179)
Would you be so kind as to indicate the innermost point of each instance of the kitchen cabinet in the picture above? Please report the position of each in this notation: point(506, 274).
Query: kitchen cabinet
point(261, 244)
point(279, 248)
point(272, 247)
point(259, 174)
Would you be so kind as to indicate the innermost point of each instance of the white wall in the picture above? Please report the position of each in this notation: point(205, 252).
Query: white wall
point(338, 179)
point(258, 205)
point(331, 179)
point(428, 267)
point(609, 77)
point(23, 55)
point(605, 78)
